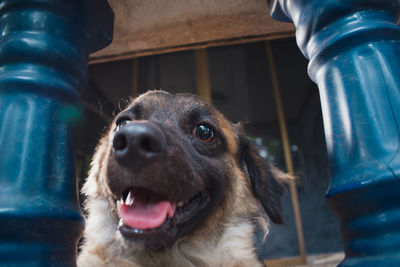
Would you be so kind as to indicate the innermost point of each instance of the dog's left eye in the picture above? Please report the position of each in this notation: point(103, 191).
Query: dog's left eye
point(204, 133)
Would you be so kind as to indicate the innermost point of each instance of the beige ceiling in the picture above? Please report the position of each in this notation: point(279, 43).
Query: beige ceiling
point(144, 27)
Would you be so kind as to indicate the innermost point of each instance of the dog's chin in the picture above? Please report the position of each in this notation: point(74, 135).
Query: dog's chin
point(184, 218)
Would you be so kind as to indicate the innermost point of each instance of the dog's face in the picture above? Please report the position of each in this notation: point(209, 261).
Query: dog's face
point(173, 165)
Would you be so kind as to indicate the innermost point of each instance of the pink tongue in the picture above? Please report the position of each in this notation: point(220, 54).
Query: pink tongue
point(146, 215)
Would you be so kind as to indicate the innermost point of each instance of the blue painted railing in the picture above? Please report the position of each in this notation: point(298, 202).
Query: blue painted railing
point(354, 52)
point(44, 47)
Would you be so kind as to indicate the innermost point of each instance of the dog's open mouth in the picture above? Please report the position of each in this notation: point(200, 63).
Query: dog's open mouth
point(145, 214)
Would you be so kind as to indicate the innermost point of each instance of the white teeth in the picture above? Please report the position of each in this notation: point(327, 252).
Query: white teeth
point(180, 204)
point(130, 199)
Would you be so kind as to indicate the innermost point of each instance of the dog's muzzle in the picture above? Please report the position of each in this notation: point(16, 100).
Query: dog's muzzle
point(160, 194)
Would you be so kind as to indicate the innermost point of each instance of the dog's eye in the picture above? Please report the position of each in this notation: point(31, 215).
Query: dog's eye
point(204, 133)
point(122, 122)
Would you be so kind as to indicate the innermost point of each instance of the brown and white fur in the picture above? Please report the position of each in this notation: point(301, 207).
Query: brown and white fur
point(245, 189)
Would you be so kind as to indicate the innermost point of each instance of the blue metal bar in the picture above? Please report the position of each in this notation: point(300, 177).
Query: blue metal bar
point(354, 52)
point(44, 47)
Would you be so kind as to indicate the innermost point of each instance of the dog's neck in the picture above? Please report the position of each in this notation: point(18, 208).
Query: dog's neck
point(232, 246)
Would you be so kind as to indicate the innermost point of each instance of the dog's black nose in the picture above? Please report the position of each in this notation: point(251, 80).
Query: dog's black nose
point(138, 143)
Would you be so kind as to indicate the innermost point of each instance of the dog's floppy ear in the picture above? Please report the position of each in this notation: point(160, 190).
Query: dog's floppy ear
point(267, 181)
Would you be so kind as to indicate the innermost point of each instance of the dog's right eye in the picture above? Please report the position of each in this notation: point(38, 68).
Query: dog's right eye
point(122, 122)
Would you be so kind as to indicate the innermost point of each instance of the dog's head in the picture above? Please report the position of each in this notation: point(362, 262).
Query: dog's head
point(172, 165)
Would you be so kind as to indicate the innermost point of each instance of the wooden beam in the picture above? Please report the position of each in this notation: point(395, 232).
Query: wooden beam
point(156, 51)
point(284, 262)
point(287, 152)
point(202, 74)
point(158, 26)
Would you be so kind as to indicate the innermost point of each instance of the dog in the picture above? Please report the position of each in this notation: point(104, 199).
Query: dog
point(174, 183)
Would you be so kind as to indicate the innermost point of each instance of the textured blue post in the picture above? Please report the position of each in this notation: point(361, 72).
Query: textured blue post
point(354, 52)
point(44, 46)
